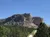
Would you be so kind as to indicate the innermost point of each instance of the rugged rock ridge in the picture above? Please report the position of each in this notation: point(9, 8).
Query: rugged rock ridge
point(25, 20)
point(37, 20)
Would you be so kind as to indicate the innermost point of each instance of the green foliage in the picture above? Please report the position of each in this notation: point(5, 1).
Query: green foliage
point(4, 31)
point(42, 31)
point(14, 31)
point(18, 31)
point(49, 31)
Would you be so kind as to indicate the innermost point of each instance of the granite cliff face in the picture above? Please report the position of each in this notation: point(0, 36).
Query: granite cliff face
point(25, 20)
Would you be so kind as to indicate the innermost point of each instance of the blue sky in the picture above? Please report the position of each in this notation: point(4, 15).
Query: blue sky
point(39, 8)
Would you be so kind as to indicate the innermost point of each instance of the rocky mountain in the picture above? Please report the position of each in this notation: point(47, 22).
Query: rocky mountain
point(25, 20)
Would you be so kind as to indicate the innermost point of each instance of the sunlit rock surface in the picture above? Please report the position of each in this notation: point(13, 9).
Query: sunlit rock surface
point(25, 20)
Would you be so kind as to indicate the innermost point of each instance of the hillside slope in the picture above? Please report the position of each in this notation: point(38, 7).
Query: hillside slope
point(19, 25)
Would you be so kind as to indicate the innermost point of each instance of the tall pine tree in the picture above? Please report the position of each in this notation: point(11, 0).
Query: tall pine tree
point(42, 30)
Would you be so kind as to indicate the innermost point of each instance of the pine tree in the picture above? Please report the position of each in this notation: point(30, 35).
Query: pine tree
point(49, 31)
point(42, 30)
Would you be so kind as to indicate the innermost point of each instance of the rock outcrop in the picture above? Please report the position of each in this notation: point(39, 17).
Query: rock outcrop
point(25, 20)
point(37, 20)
